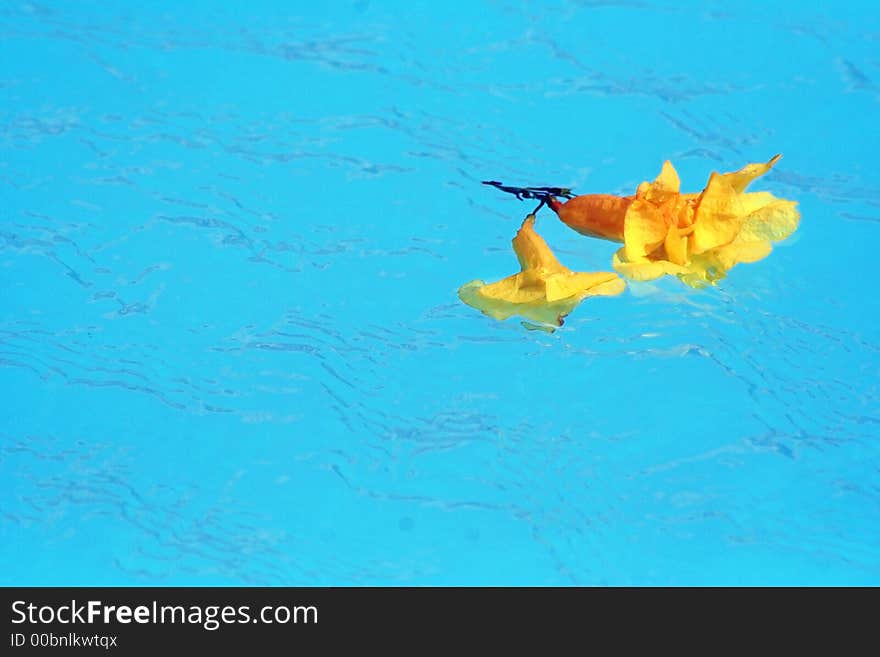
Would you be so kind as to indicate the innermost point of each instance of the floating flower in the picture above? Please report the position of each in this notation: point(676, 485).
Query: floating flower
point(544, 291)
point(697, 237)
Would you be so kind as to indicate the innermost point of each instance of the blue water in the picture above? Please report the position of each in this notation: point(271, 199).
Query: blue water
point(231, 346)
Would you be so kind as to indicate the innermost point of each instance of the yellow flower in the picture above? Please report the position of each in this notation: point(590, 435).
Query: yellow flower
point(699, 237)
point(544, 291)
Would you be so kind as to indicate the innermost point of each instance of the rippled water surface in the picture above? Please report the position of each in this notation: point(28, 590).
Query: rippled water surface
point(231, 236)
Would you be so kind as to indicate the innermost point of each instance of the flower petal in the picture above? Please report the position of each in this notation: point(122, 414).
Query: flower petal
point(664, 185)
point(741, 179)
point(544, 291)
point(773, 222)
point(644, 269)
point(676, 246)
point(645, 229)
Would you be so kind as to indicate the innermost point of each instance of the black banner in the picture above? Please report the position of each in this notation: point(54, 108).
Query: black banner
point(126, 621)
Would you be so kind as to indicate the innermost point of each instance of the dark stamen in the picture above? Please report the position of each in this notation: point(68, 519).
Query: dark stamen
point(542, 194)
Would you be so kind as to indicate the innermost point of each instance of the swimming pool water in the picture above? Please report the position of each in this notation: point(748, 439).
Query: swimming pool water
point(231, 346)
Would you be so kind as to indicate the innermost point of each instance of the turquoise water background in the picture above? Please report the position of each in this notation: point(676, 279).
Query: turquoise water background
point(231, 236)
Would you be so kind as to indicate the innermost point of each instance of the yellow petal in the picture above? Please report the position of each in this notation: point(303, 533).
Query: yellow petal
point(644, 269)
point(531, 249)
point(741, 179)
point(665, 185)
point(731, 254)
point(719, 216)
point(544, 291)
point(712, 266)
point(773, 222)
point(676, 246)
point(668, 179)
point(723, 207)
point(644, 229)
